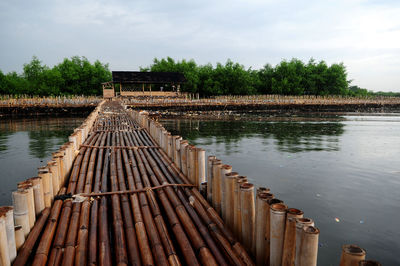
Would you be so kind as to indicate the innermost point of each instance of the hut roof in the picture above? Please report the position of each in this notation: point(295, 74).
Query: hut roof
point(147, 77)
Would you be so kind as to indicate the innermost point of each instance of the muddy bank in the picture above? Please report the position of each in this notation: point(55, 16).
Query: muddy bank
point(45, 110)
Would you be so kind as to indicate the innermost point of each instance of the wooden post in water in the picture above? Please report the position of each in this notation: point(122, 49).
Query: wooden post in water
point(351, 255)
point(309, 246)
point(248, 215)
point(261, 239)
point(209, 177)
point(230, 180)
point(278, 219)
point(289, 244)
point(300, 224)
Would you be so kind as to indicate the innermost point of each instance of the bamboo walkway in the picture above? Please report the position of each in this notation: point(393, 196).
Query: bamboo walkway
point(126, 203)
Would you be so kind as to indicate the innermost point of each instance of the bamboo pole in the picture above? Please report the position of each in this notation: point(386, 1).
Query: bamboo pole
point(289, 244)
point(45, 175)
point(192, 164)
point(300, 223)
point(38, 194)
point(217, 164)
point(209, 177)
point(225, 169)
point(351, 255)
point(230, 180)
point(27, 186)
point(201, 166)
point(237, 223)
point(21, 215)
point(261, 238)
point(19, 237)
point(4, 251)
point(248, 215)
point(183, 154)
point(277, 220)
point(55, 176)
point(9, 219)
point(369, 263)
point(309, 246)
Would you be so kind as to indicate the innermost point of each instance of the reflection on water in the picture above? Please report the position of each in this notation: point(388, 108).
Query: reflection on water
point(26, 144)
point(345, 174)
point(288, 136)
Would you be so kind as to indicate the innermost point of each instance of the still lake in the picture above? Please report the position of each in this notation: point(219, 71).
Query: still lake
point(343, 172)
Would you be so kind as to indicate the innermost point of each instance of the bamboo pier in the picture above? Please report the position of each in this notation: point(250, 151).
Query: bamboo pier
point(124, 191)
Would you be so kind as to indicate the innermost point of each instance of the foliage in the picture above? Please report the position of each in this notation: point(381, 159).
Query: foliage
point(73, 76)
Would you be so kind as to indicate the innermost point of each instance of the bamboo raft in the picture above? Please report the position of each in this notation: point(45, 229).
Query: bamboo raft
point(124, 191)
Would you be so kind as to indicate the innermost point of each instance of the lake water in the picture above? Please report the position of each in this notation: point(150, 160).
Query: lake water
point(344, 173)
point(25, 145)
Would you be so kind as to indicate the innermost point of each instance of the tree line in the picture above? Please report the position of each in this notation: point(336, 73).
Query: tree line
point(74, 76)
point(77, 76)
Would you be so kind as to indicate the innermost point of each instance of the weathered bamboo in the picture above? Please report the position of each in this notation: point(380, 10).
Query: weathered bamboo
point(289, 244)
point(230, 180)
point(351, 255)
point(201, 166)
point(248, 215)
point(38, 194)
point(27, 248)
point(369, 263)
point(9, 221)
point(216, 200)
point(55, 176)
point(225, 169)
point(209, 177)
point(19, 236)
point(45, 175)
point(183, 154)
point(309, 246)
point(21, 215)
point(4, 252)
point(300, 223)
point(277, 220)
point(261, 238)
point(237, 223)
point(192, 171)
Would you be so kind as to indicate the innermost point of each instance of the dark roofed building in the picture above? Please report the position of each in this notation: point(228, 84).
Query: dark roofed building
point(136, 83)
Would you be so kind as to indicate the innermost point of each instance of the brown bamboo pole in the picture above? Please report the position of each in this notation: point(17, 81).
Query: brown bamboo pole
point(225, 169)
point(192, 164)
point(237, 223)
point(351, 255)
point(277, 220)
point(248, 215)
point(201, 166)
point(9, 222)
point(27, 248)
point(217, 164)
point(309, 246)
point(4, 252)
point(45, 175)
point(183, 154)
point(27, 187)
point(55, 176)
point(43, 249)
point(230, 180)
point(300, 223)
point(261, 239)
point(289, 244)
point(209, 177)
point(19, 237)
point(369, 263)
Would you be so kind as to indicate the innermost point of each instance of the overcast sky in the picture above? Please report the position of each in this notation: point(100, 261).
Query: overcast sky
point(363, 34)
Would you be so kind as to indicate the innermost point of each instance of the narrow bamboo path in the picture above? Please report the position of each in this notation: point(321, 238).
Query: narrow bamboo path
point(155, 217)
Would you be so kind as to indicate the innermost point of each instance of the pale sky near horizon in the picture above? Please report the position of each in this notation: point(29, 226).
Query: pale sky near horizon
point(363, 34)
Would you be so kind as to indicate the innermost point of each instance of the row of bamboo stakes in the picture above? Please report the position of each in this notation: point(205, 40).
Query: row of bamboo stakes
point(133, 204)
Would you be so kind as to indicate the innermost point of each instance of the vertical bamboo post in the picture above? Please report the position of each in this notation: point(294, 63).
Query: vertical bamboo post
point(309, 246)
point(209, 178)
point(45, 175)
point(289, 244)
point(278, 219)
point(21, 215)
point(28, 188)
point(177, 157)
point(248, 214)
point(351, 255)
point(19, 236)
point(55, 177)
point(9, 219)
point(230, 180)
point(4, 253)
point(192, 164)
point(237, 225)
point(217, 164)
point(300, 223)
point(183, 154)
point(170, 147)
point(225, 169)
point(201, 165)
point(38, 194)
point(262, 210)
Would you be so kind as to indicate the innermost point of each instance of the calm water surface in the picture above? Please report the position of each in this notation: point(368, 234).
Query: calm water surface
point(25, 145)
point(345, 174)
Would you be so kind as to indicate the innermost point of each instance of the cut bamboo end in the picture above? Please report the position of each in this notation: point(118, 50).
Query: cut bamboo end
point(300, 223)
point(351, 255)
point(277, 220)
point(309, 246)
point(289, 244)
point(38, 194)
point(8, 214)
